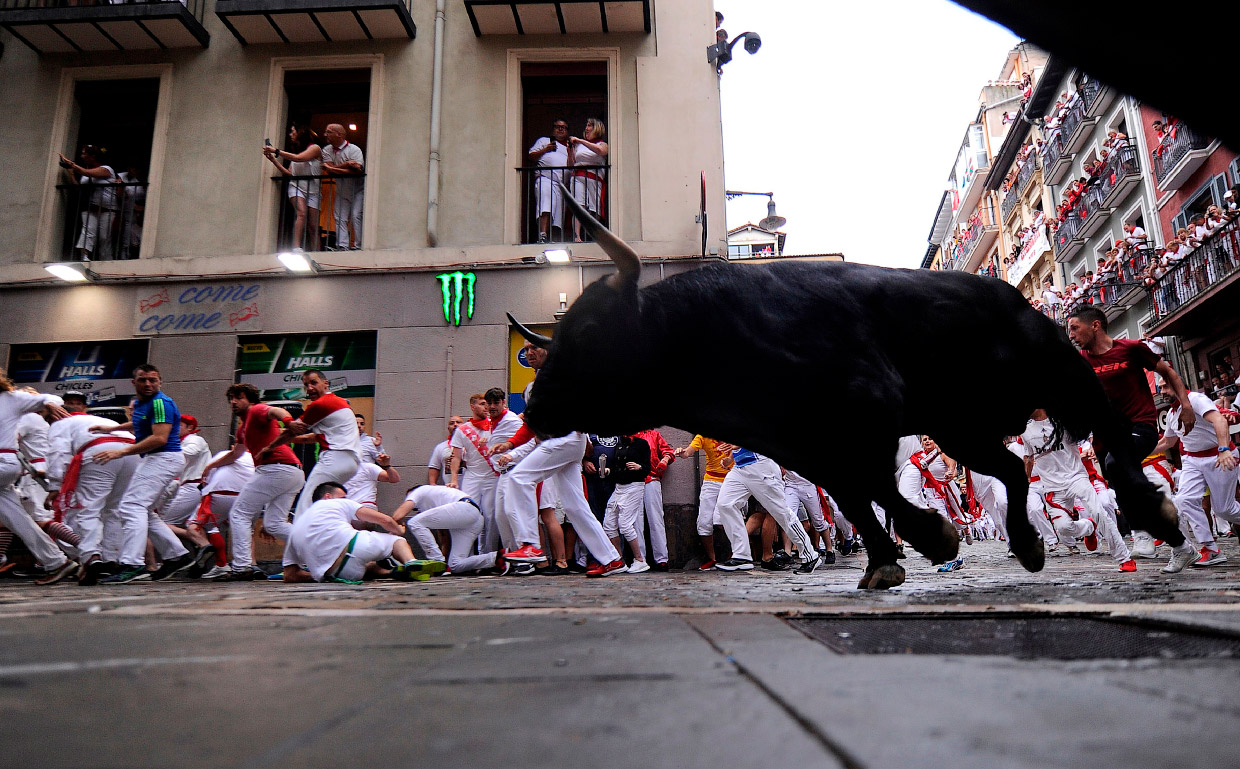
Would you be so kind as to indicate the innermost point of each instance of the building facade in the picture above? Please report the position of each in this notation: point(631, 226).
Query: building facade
point(407, 313)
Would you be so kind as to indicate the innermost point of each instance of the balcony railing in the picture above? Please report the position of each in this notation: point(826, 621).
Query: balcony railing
point(1010, 203)
point(1066, 241)
point(1091, 211)
point(314, 210)
point(1113, 291)
point(1214, 261)
point(90, 26)
point(546, 219)
point(1056, 160)
point(1176, 146)
point(1026, 173)
point(1123, 169)
point(102, 221)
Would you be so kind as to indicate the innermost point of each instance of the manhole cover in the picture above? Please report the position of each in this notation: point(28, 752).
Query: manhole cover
point(1023, 636)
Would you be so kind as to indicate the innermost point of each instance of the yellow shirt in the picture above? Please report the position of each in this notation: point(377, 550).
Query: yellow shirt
point(715, 471)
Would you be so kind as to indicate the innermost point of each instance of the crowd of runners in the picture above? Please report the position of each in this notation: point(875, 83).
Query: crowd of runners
point(110, 503)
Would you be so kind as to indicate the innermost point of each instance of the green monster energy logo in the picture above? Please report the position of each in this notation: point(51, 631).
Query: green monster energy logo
point(457, 287)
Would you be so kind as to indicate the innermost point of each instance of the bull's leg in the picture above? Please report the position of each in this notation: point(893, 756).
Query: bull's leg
point(929, 533)
point(986, 456)
point(882, 571)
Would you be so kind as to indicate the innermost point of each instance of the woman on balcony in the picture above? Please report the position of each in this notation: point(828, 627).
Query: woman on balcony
point(98, 204)
point(589, 183)
point(305, 159)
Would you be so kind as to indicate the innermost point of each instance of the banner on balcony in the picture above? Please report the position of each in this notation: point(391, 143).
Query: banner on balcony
point(199, 308)
point(103, 371)
point(273, 363)
point(1029, 254)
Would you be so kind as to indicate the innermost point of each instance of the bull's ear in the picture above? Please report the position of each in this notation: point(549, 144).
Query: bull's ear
point(625, 258)
point(538, 340)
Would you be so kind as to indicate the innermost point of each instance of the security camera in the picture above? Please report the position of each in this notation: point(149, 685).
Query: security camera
point(752, 42)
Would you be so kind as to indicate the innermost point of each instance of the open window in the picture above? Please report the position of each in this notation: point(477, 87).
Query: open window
point(102, 211)
point(1210, 194)
point(574, 95)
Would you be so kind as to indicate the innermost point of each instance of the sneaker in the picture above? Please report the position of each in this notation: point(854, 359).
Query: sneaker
point(774, 564)
point(735, 564)
point(215, 573)
point(551, 571)
point(1208, 558)
point(952, 565)
point(129, 574)
point(522, 569)
point(526, 554)
point(202, 562)
point(603, 569)
point(1182, 556)
point(827, 557)
point(781, 556)
point(414, 569)
point(658, 566)
point(637, 567)
point(807, 567)
point(1129, 565)
point(236, 576)
point(56, 575)
point(847, 547)
point(1074, 550)
point(1091, 541)
point(172, 566)
point(1142, 545)
point(576, 568)
point(542, 237)
point(900, 551)
point(89, 576)
point(706, 566)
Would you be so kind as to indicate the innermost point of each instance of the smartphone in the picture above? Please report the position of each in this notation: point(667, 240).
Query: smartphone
point(266, 142)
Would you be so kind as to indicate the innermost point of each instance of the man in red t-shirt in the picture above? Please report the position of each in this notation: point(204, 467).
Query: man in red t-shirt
point(277, 476)
point(1120, 365)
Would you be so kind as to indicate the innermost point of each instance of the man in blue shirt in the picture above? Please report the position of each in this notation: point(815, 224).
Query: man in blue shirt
point(156, 426)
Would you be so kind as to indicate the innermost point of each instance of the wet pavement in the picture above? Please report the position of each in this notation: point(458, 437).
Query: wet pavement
point(679, 669)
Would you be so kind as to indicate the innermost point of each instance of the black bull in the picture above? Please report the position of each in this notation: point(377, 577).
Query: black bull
point(822, 366)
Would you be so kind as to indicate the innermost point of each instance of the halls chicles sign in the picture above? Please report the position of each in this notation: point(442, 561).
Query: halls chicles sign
point(202, 308)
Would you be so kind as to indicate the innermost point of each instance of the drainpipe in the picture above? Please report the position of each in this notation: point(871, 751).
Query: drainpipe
point(432, 191)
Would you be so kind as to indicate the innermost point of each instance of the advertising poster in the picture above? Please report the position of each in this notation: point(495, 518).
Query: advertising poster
point(520, 375)
point(273, 363)
point(101, 370)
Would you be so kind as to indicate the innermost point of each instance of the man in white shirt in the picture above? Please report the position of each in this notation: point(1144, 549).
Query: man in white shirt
point(504, 425)
point(220, 488)
point(187, 494)
point(364, 485)
point(469, 445)
point(1208, 459)
point(371, 447)
point(343, 160)
point(437, 465)
point(550, 152)
point(442, 507)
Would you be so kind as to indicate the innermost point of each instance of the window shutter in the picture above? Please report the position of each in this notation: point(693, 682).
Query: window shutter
point(1219, 188)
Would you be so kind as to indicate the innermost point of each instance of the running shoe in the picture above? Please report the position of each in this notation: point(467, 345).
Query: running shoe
point(413, 569)
point(773, 564)
point(847, 547)
point(172, 566)
point(637, 567)
point(522, 569)
point(1182, 556)
point(1142, 545)
point(807, 567)
point(658, 566)
point(604, 569)
point(129, 574)
point(216, 572)
point(826, 556)
point(1091, 540)
point(89, 576)
point(1129, 565)
point(735, 564)
point(706, 566)
point(781, 556)
point(526, 554)
point(202, 562)
point(1208, 558)
point(56, 575)
point(951, 566)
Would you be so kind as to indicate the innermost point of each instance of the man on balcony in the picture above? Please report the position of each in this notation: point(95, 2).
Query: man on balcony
point(344, 160)
point(550, 153)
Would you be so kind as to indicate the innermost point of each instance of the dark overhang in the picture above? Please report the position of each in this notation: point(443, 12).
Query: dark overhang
point(558, 17)
point(316, 21)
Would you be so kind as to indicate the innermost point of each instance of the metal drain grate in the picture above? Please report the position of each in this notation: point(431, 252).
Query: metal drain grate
point(1023, 636)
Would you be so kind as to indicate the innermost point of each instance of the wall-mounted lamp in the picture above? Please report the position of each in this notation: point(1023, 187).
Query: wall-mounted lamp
point(71, 272)
point(296, 261)
point(558, 255)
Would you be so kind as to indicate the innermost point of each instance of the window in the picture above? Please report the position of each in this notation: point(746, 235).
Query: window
point(739, 251)
point(1234, 170)
point(1211, 193)
point(568, 94)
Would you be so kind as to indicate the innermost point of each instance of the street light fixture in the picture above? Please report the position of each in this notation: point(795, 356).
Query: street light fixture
point(772, 221)
point(71, 272)
point(295, 261)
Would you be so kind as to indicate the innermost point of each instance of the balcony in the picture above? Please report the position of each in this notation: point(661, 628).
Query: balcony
point(1067, 241)
point(1114, 295)
point(1198, 296)
point(1026, 173)
point(541, 197)
point(1055, 160)
point(980, 238)
point(1011, 203)
point(101, 222)
point(558, 17)
point(1092, 212)
point(1178, 156)
point(307, 219)
point(90, 26)
point(1123, 172)
point(1076, 128)
point(316, 21)
point(1096, 97)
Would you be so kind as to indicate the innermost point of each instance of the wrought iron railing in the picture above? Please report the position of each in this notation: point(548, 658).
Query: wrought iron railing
point(985, 223)
point(314, 209)
point(1010, 202)
point(195, 7)
point(1122, 163)
point(1090, 203)
point(1175, 144)
point(1089, 90)
point(1214, 260)
point(1066, 232)
point(1052, 150)
point(1109, 288)
point(1026, 173)
point(545, 218)
point(102, 221)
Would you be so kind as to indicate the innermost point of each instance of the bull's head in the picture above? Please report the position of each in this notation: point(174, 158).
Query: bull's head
point(597, 350)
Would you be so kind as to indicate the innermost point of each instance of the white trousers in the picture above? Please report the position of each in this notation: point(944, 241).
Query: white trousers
point(762, 481)
point(348, 211)
point(1197, 475)
point(14, 517)
point(464, 522)
point(624, 509)
point(992, 496)
point(652, 501)
point(707, 502)
point(1035, 509)
point(503, 524)
point(332, 465)
point(95, 237)
point(909, 484)
point(33, 496)
point(268, 493)
point(482, 490)
point(1081, 491)
point(557, 460)
point(100, 489)
point(183, 505)
point(796, 494)
point(137, 510)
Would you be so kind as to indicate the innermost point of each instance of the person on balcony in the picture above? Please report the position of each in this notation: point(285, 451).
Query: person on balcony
point(305, 159)
point(98, 205)
point(551, 153)
point(589, 184)
point(344, 160)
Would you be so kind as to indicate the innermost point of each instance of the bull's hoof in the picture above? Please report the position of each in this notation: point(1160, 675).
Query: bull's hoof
point(864, 582)
point(1030, 553)
point(883, 578)
point(930, 534)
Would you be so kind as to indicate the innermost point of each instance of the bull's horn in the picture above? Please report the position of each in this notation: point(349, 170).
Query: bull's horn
point(625, 258)
point(538, 340)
